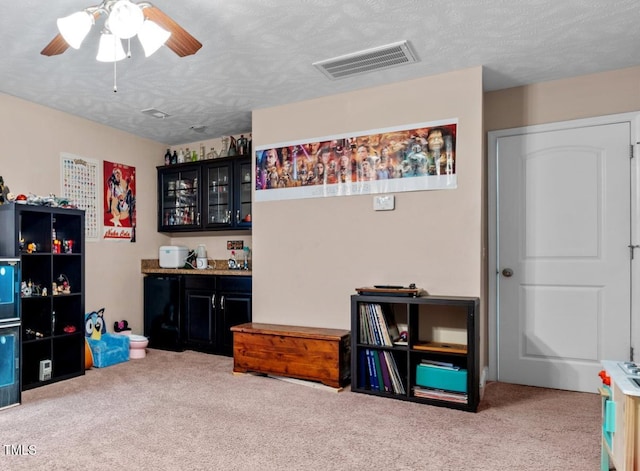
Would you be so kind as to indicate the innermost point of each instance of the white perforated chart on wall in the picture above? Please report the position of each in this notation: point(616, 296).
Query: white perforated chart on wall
point(79, 184)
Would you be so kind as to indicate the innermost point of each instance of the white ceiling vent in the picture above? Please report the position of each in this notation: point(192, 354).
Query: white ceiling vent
point(155, 113)
point(377, 58)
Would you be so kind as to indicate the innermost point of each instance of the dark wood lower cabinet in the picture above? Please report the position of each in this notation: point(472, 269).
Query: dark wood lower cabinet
point(209, 306)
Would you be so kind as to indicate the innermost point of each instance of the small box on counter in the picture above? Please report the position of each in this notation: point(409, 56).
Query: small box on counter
point(448, 379)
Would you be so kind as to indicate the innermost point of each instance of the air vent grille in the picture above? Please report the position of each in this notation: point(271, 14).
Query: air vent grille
point(369, 60)
point(155, 113)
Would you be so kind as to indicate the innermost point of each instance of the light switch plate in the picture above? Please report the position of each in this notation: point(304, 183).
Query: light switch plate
point(384, 203)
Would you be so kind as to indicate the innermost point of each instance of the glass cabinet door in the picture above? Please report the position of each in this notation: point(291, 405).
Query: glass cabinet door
point(243, 205)
point(179, 199)
point(218, 198)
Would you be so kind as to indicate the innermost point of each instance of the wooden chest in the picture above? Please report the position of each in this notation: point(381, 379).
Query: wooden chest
point(309, 353)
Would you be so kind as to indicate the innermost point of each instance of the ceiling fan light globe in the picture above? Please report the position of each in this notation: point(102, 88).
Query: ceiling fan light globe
point(75, 27)
point(110, 49)
point(152, 36)
point(125, 19)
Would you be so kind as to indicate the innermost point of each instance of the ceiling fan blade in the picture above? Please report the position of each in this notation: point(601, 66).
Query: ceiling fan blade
point(180, 41)
point(57, 46)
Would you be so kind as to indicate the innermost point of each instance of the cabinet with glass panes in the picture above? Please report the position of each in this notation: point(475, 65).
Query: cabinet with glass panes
point(208, 195)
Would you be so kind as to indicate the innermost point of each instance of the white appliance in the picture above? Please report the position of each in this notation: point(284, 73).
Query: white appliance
point(172, 256)
point(201, 257)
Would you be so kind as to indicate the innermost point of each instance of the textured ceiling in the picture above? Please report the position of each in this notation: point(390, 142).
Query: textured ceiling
point(259, 53)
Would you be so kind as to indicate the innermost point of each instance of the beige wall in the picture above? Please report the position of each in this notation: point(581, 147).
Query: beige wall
point(311, 254)
point(32, 139)
point(587, 96)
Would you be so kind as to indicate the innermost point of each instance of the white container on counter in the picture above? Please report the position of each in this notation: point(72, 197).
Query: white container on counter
point(172, 256)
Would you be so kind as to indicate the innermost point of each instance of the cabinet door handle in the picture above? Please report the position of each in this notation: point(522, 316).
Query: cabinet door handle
point(198, 219)
point(237, 216)
point(222, 302)
point(213, 301)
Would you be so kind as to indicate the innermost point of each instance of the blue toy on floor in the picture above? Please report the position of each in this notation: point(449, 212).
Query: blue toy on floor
point(107, 349)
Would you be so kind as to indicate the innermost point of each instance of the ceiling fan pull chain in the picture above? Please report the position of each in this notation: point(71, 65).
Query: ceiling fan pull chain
point(129, 48)
point(115, 86)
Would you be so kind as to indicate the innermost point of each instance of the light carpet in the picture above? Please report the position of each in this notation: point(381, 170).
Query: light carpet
point(188, 411)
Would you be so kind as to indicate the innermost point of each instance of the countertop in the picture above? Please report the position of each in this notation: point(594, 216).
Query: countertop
point(218, 267)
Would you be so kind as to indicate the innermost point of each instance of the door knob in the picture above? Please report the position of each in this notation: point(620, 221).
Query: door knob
point(507, 272)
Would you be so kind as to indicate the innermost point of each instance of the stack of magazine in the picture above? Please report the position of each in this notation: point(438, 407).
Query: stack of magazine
point(440, 394)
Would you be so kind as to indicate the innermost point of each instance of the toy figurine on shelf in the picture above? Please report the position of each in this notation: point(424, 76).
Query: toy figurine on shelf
point(57, 246)
point(62, 287)
point(31, 247)
point(68, 246)
point(5, 194)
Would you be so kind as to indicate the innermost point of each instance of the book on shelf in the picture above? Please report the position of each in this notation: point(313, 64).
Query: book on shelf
point(362, 368)
point(396, 379)
point(378, 329)
point(377, 325)
point(386, 378)
point(376, 363)
point(373, 374)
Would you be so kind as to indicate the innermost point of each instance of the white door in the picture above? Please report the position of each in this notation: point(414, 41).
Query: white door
point(564, 263)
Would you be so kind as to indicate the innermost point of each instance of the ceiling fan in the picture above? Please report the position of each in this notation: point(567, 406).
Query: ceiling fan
point(124, 20)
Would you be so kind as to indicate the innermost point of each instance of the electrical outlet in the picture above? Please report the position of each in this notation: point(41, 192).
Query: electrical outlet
point(384, 203)
point(235, 244)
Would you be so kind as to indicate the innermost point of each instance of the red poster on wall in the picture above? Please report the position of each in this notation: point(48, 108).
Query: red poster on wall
point(119, 202)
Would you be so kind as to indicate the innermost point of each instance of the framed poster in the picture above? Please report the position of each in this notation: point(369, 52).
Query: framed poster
point(79, 184)
point(119, 219)
point(406, 158)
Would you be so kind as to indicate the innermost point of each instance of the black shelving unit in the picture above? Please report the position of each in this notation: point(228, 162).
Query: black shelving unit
point(440, 329)
point(52, 291)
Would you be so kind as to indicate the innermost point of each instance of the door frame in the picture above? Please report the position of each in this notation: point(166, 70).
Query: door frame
point(492, 223)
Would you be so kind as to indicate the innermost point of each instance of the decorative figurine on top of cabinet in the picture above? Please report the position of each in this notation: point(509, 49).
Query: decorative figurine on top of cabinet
point(233, 150)
point(225, 147)
point(243, 144)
